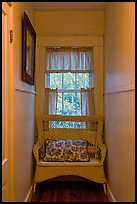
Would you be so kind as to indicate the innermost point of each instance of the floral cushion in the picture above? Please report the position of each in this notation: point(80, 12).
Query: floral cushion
point(66, 150)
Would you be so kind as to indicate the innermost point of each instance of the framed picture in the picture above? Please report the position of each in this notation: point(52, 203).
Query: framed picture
point(28, 50)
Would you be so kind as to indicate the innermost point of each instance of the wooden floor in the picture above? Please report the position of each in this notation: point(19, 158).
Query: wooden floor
point(69, 191)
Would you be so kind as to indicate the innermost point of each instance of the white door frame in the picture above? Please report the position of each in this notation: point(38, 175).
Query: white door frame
point(7, 105)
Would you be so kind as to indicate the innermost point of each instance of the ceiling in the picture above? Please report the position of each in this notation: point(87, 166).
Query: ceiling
point(54, 6)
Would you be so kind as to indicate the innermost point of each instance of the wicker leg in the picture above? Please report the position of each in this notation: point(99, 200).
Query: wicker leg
point(34, 187)
point(105, 188)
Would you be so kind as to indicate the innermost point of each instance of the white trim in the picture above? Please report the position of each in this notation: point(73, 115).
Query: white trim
point(8, 170)
point(26, 91)
point(29, 195)
point(120, 90)
point(110, 195)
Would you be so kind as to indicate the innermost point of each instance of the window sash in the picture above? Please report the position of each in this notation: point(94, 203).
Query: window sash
point(47, 82)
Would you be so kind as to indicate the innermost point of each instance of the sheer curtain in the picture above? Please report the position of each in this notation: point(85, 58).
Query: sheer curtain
point(87, 101)
point(50, 103)
point(74, 60)
point(69, 59)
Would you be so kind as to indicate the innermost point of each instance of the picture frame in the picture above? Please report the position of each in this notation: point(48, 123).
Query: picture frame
point(28, 50)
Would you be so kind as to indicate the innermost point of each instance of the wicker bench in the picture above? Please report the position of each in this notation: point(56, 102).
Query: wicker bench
point(84, 128)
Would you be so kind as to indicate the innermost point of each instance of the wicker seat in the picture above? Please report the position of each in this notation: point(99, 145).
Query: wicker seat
point(90, 129)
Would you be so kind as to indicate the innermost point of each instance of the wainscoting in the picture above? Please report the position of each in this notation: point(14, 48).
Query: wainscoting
point(120, 140)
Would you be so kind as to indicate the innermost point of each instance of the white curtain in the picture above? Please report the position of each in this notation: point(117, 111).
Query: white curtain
point(69, 59)
point(50, 103)
point(87, 101)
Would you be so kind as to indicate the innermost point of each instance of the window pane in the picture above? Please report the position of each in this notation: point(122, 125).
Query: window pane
point(69, 81)
point(82, 80)
point(55, 80)
point(67, 124)
point(69, 104)
point(78, 104)
point(72, 104)
point(73, 81)
point(59, 104)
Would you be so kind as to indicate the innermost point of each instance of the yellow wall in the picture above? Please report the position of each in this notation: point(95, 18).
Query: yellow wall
point(23, 111)
point(70, 22)
point(69, 28)
point(119, 99)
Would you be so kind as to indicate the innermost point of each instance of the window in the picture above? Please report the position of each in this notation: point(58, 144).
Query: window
point(68, 70)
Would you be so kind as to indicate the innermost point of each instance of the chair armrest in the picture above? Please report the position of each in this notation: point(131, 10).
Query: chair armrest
point(36, 148)
point(103, 152)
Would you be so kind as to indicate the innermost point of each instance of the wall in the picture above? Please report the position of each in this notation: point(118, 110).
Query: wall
point(69, 28)
point(70, 22)
point(23, 112)
point(120, 99)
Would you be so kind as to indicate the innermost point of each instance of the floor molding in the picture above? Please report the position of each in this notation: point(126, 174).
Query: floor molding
point(110, 195)
point(29, 195)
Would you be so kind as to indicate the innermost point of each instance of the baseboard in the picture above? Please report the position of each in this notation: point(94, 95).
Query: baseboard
point(110, 195)
point(29, 195)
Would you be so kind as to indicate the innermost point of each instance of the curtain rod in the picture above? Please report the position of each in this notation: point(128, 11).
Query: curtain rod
point(69, 47)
